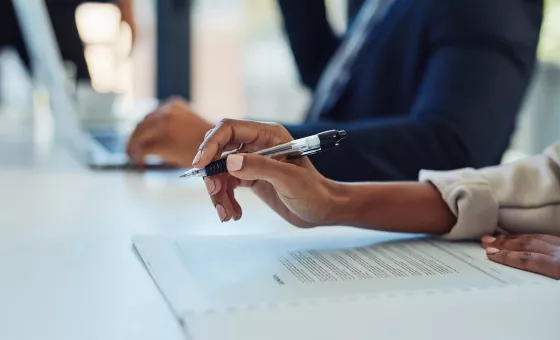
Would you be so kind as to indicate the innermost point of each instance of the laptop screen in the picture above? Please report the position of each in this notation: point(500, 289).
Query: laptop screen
point(48, 68)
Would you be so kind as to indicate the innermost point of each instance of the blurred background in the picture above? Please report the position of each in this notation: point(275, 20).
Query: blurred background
point(241, 66)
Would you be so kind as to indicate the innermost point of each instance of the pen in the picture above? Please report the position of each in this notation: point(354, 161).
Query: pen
point(295, 149)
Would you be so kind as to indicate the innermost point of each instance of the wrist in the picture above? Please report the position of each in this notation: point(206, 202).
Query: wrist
point(341, 203)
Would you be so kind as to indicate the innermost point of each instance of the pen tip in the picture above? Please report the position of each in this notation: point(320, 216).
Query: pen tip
point(183, 175)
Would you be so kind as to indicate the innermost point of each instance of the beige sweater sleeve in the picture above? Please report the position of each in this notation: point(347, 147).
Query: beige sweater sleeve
point(520, 197)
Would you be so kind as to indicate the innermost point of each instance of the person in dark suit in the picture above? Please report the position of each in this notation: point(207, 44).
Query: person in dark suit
point(417, 84)
point(63, 17)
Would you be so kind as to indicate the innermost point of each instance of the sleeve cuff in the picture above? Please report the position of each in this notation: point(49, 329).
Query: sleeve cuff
point(469, 196)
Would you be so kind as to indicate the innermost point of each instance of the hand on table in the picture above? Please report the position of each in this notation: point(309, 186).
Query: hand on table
point(535, 253)
point(294, 189)
point(173, 132)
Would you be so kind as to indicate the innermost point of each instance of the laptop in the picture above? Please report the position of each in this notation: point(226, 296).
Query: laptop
point(100, 147)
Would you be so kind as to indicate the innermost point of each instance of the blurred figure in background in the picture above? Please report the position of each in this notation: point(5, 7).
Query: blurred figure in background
point(417, 84)
point(63, 17)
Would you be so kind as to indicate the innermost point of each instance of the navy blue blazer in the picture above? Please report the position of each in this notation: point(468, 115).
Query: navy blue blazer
point(438, 84)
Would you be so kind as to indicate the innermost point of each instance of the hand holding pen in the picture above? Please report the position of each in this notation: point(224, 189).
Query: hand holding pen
point(283, 185)
point(294, 149)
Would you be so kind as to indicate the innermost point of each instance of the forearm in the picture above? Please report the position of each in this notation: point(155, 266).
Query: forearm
point(397, 207)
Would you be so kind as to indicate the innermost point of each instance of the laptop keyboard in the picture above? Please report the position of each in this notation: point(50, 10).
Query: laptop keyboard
point(114, 143)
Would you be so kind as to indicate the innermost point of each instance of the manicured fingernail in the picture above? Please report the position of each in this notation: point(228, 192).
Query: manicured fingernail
point(197, 157)
point(488, 239)
point(234, 162)
point(491, 251)
point(221, 212)
point(210, 186)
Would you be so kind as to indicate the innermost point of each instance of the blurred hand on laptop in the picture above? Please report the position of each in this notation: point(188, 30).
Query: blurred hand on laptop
point(172, 132)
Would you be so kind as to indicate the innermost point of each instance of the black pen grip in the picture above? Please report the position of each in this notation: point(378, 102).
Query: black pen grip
point(216, 167)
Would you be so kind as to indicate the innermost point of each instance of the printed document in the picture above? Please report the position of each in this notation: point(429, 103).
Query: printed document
point(222, 271)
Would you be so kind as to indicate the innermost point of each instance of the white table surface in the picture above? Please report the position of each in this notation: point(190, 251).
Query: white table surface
point(69, 271)
point(68, 268)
